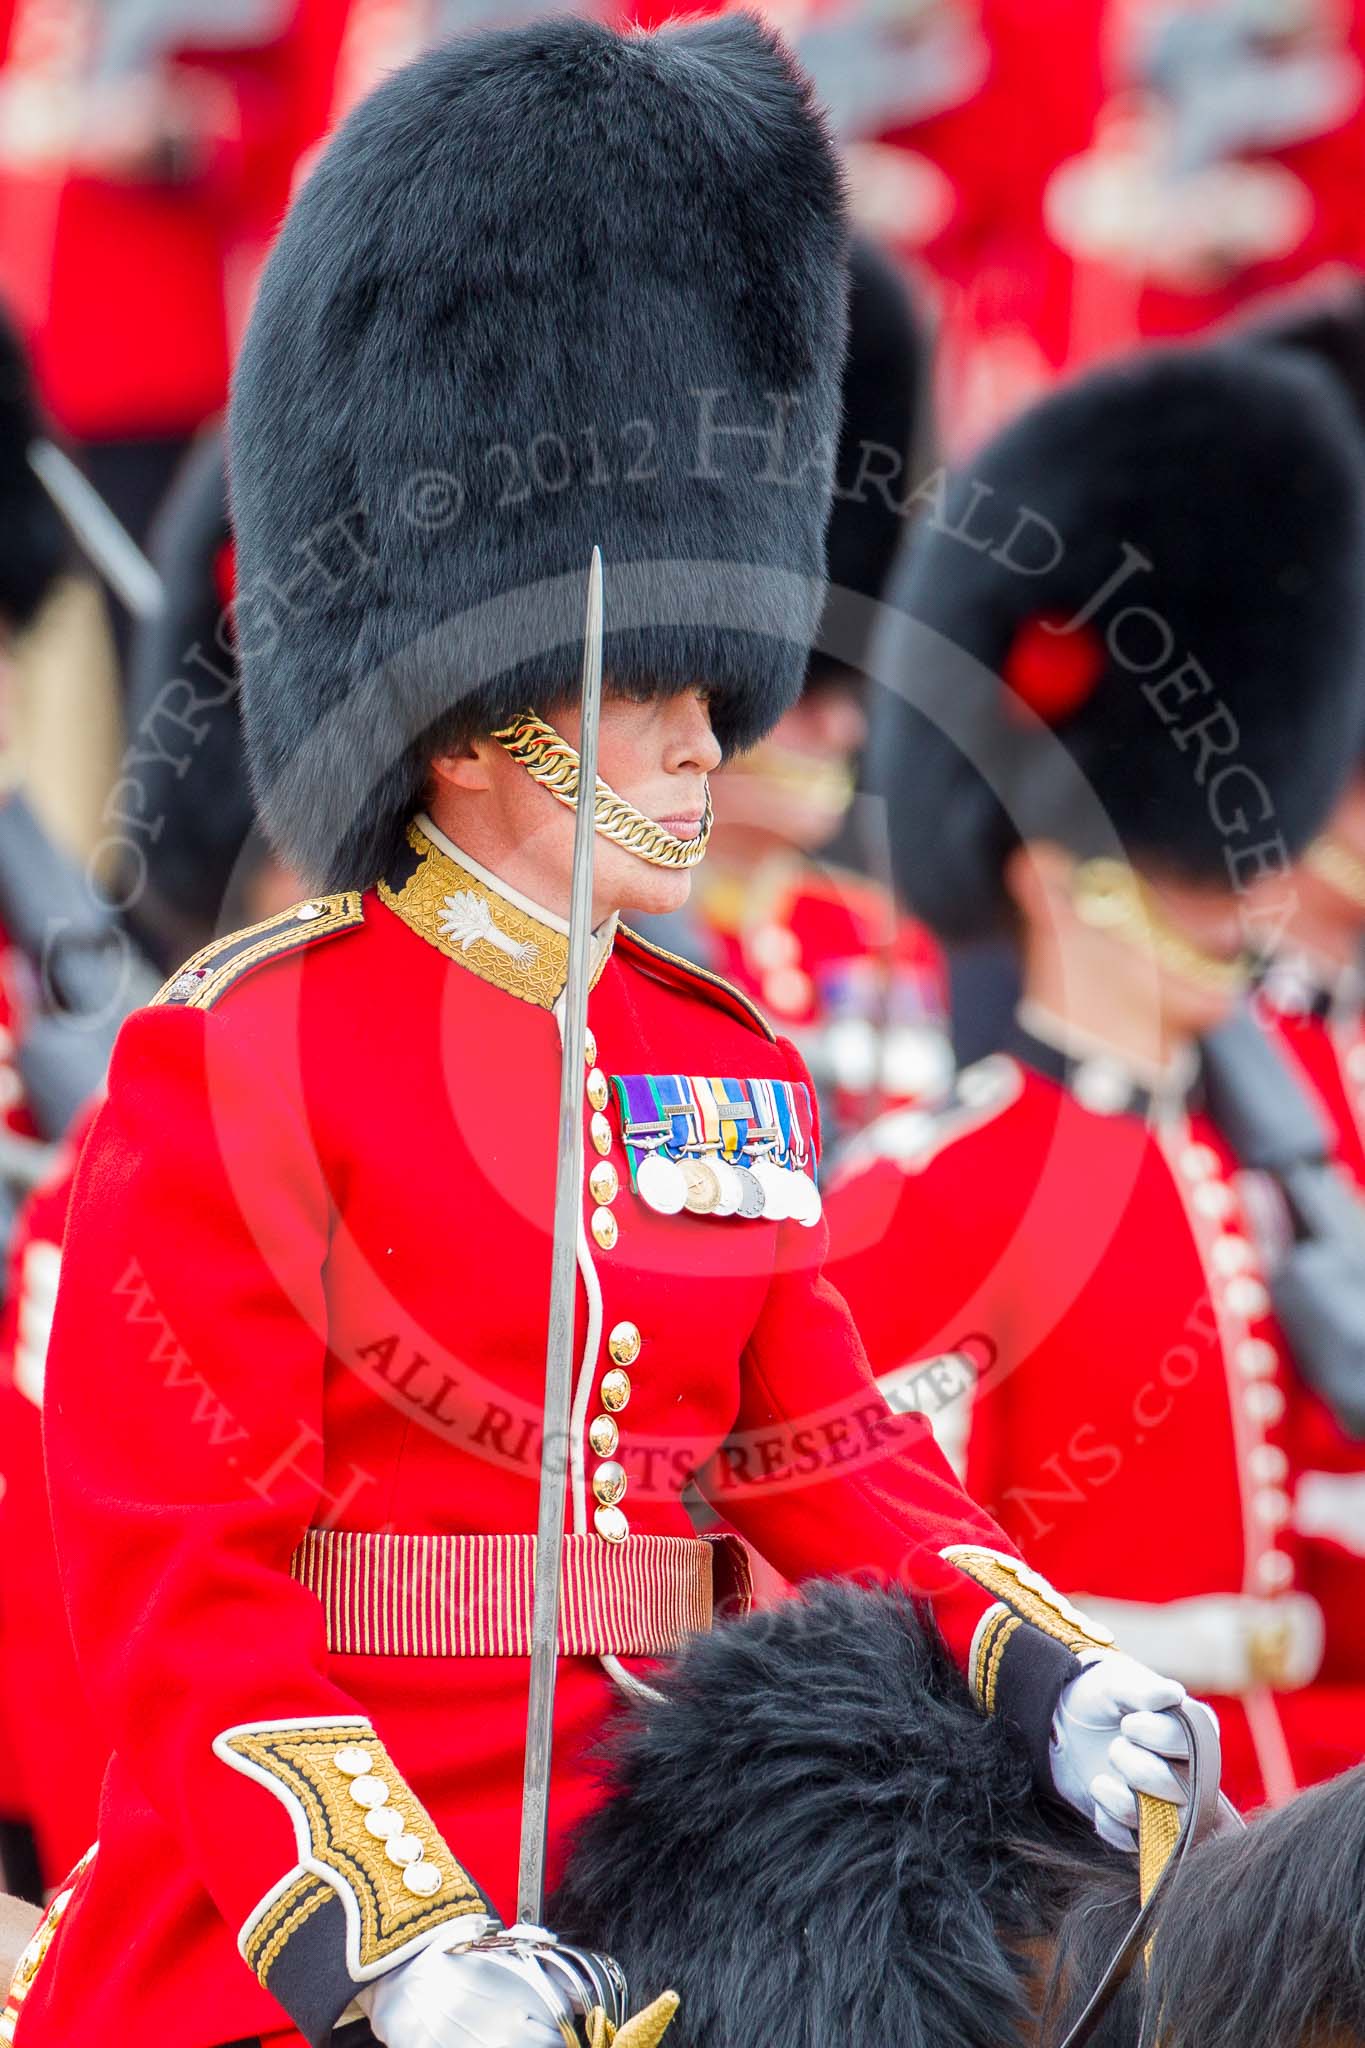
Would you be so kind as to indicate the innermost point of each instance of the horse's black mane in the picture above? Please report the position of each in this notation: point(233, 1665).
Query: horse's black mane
point(818, 1840)
point(1263, 1938)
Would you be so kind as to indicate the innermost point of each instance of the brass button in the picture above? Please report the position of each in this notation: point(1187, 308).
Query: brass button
point(609, 1483)
point(590, 1047)
point(624, 1344)
point(603, 1435)
point(615, 1390)
point(403, 1849)
point(604, 1228)
point(306, 912)
point(599, 1130)
point(611, 1525)
point(356, 1763)
point(603, 1183)
point(597, 1088)
point(424, 1880)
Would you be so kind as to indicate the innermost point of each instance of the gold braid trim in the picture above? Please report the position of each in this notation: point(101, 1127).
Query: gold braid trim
point(1158, 1834)
point(1110, 896)
point(1023, 1596)
point(645, 2030)
point(283, 1919)
point(334, 1777)
point(549, 760)
point(213, 969)
point(34, 1956)
point(990, 1653)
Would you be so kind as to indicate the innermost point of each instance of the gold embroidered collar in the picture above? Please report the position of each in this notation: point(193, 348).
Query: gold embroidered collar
point(480, 922)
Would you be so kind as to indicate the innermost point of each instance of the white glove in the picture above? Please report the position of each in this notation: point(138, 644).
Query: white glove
point(1111, 1733)
point(477, 1997)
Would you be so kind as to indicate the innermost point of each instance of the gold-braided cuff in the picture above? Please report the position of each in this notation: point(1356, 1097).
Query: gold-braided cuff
point(1025, 1647)
point(549, 760)
point(1027, 1596)
point(374, 1882)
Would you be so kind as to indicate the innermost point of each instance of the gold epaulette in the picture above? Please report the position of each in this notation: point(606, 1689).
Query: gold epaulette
point(679, 973)
point(215, 967)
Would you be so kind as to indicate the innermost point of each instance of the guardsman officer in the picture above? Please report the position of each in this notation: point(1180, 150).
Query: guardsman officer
point(538, 295)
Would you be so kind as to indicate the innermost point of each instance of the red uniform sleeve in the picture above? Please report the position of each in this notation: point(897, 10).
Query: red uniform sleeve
point(825, 1479)
point(185, 1372)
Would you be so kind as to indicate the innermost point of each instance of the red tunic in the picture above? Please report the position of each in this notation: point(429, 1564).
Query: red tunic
point(305, 1285)
point(52, 1736)
point(16, 1118)
point(1088, 1288)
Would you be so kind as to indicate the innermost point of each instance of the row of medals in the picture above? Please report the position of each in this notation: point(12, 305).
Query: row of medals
point(712, 1185)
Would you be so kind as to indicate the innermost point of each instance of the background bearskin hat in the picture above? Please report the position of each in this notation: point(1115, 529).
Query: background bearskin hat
point(183, 659)
point(33, 548)
point(1173, 540)
point(883, 390)
point(519, 309)
point(1323, 321)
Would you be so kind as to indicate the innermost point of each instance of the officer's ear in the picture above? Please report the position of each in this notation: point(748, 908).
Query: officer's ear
point(1038, 880)
point(467, 766)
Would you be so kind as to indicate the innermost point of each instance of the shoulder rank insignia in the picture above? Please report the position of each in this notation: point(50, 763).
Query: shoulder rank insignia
point(915, 1137)
point(215, 967)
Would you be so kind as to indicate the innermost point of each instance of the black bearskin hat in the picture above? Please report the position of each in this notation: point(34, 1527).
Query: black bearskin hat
point(1326, 322)
point(33, 547)
point(1134, 625)
point(817, 1837)
point(184, 713)
point(550, 287)
point(884, 376)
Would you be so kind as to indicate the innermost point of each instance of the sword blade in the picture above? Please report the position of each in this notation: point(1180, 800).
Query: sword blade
point(559, 1358)
point(109, 547)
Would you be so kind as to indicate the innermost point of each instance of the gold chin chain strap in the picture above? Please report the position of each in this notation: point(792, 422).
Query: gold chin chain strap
point(809, 776)
point(1336, 865)
point(552, 762)
point(1110, 896)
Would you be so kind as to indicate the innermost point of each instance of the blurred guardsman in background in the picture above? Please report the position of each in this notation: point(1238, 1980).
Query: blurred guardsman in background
point(1305, 1115)
point(311, 1233)
point(204, 866)
point(145, 152)
point(1312, 982)
point(1125, 695)
point(54, 1743)
point(32, 554)
point(857, 984)
point(195, 850)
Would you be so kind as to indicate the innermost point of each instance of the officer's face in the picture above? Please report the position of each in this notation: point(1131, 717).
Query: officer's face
point(657, 755)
